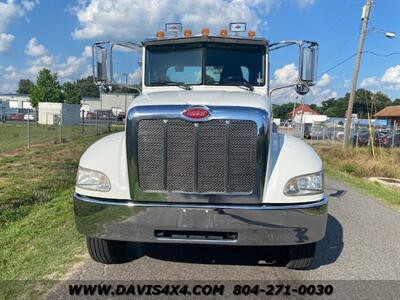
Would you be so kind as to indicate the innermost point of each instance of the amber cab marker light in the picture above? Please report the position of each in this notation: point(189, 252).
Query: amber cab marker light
point(205, 31)
point(251, 34)
point(187, 32)
point(223, 32)
point(160, 34)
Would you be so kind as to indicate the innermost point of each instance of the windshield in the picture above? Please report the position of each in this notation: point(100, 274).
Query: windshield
point(207, 63)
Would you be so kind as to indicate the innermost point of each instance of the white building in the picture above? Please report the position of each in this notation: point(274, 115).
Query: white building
point(52, 113)
point(113, 101)
point(17, 100)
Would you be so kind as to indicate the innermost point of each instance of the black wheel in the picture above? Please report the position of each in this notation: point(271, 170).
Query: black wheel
point(111, 252)
point(301, 257)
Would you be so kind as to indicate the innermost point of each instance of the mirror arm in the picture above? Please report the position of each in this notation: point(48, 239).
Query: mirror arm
point(281, 87)
point(129, 45)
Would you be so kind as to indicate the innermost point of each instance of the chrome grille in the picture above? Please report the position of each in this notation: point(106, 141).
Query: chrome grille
point(218, 156)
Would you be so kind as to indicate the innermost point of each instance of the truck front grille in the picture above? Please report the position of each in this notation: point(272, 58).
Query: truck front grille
point(218, 156)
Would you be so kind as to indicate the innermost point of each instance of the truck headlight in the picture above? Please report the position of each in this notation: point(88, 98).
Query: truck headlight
point(308, 184)
point(92, 180)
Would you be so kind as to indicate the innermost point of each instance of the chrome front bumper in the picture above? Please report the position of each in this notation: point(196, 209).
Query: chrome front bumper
point(232, 224)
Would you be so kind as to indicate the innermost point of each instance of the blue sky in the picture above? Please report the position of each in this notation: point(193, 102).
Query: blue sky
point(54, 34)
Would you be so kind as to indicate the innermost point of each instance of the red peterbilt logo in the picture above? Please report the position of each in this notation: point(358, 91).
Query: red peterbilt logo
point(196, 113)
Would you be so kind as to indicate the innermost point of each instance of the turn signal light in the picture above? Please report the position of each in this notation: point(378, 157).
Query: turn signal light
point(160, 34)
point(251, 34)
point(223, 32)
point(205, 31)
point(187, 32)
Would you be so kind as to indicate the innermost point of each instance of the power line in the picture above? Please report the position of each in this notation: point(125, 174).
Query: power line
point(351, 56)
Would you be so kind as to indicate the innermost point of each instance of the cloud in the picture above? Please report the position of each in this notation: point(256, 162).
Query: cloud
point(324, 80)
point(33, 48)
point(370, 82)
point(72, 68)
point(126, 19)
point(305, 3)
point(288, 74)
point(10, 10)
point(389, 80)
point(392, 77)
point(5, 42)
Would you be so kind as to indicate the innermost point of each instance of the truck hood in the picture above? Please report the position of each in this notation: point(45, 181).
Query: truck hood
point(207, 98)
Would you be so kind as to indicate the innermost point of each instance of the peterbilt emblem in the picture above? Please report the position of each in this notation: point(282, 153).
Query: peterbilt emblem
point(196, 113)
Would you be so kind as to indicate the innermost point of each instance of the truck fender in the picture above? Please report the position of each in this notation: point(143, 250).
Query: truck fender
point(108, 155)
point(289, 157)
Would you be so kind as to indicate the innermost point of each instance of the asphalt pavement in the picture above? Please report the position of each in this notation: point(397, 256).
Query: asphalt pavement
point(362, 242)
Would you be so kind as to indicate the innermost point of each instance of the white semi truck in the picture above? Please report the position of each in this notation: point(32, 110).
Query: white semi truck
point(198, 162)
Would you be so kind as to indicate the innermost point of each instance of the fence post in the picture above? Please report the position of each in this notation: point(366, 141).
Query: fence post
point(29, 131)
point(357, 136)
point(83, 122)
point(394, 133)
point(61, 126)
point(109, 123)
point(97, 123)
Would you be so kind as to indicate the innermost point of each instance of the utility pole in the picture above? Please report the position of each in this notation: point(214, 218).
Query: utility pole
point(365, 17)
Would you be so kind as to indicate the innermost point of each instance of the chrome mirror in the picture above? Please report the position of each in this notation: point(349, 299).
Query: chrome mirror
point(99, 56)
point(308, 63)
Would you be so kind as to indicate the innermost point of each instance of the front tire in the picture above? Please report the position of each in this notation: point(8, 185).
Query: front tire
point(110, 252)
point(301, 257)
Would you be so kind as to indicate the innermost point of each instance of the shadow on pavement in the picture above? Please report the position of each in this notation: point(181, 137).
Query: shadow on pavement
point(331, 246)
point(328, 251)
point(224, 255)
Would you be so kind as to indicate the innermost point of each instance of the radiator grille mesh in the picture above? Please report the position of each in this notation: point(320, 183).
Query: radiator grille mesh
point(218, 156)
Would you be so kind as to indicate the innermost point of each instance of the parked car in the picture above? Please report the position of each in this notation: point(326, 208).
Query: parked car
point(307, 131)
point(121, 116)
point(104, 114)
point(361, 137)
point(317, 131)
point(16, 117)
point(90, 115)
point(32, 116)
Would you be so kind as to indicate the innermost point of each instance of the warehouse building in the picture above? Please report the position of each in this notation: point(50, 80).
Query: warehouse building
point(51, 113)
point(17, 100)
point(113, 101)
point(390, 113)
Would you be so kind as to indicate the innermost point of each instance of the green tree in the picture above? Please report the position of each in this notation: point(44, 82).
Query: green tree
point(75, 91)
point(381, 101)
point(24, 86)
point(71, 92)
point(281, 111)
point(395, 102)
point(47, 88)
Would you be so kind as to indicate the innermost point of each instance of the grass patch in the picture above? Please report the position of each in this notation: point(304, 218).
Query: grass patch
point(356, 164)
point(38, 238)
point(15, 136)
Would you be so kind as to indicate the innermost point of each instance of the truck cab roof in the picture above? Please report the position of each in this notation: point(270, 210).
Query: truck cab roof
point(205, 39)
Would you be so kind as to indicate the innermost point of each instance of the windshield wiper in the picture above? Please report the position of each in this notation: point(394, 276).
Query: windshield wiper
point(242, 83)
point(247, 86)
point(175, 83)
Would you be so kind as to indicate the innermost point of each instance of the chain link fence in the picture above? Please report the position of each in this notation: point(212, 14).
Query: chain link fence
point(360, 136)
point(22, 130)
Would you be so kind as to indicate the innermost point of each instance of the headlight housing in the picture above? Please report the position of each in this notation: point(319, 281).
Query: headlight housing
point(308, 184)
point(92, 180)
